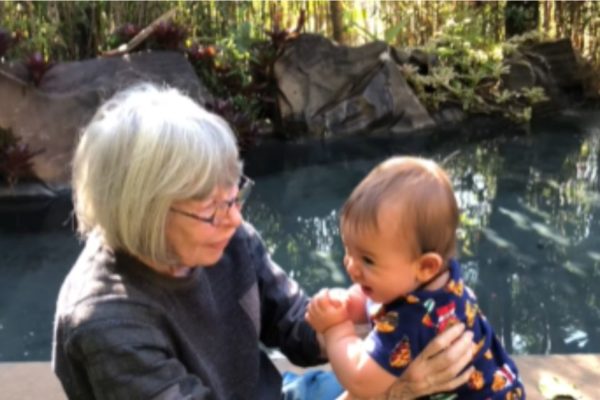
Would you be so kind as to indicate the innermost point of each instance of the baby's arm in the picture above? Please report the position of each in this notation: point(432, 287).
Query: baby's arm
point(331, 306)
point(332, 313)
point(358, 373)
point(326, 309)
point(356, 370)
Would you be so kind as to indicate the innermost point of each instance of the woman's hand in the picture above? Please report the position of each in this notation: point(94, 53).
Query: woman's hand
point(438, 366)
point(326, 309)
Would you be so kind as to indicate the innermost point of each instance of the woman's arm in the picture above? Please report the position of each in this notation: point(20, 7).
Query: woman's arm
point(125, 360)
point(438, 367)
point(282, 307)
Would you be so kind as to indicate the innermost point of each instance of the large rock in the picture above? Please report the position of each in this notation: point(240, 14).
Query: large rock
point(384, 102)
point(330, 89)
point(551, 65)
point(560, 58)
point(51, 116)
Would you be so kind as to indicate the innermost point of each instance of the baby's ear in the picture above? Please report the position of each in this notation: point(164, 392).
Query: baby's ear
point(429, 266)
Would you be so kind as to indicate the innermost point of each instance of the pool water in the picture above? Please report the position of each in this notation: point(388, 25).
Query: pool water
point(529, 236)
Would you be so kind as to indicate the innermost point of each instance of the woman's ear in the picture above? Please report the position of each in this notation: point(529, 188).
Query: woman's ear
point(429, 266)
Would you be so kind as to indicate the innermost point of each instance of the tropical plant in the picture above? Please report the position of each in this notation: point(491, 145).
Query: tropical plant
point(5, 41)
point(468, 71)
point(16, 158)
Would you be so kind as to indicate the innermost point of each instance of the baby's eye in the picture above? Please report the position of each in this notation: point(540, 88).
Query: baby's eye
point(367, 260)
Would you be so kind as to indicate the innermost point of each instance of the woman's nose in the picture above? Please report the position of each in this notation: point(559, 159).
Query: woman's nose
point(233, 216)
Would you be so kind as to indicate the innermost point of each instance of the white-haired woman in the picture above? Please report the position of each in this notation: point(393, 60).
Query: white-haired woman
point(174, 294)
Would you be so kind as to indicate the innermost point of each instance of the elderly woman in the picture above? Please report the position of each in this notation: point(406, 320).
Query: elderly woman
point(174, 296)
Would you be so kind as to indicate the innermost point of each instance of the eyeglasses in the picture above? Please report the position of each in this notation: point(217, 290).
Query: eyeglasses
point(222, 208)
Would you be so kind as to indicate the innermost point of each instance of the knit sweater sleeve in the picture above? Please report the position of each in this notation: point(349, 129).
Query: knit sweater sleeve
point(128, 359)
point(283, 305)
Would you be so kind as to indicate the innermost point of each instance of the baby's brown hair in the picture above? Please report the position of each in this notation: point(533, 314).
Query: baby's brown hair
point(422, 196)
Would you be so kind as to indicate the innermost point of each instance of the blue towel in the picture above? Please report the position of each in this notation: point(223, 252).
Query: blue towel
point(312, 385)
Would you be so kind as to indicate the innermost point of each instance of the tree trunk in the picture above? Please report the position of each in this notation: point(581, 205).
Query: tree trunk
point(520, 17)
point(336, 9)
point(549, 23)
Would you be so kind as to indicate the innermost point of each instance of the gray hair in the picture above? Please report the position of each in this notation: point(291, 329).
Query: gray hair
point(145, 148)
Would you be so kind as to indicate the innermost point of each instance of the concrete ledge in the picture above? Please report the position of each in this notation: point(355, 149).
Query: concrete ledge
point(35, 380)
point(28, 381)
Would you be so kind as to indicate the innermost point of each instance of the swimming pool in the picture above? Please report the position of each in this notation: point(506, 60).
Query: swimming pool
point(530, 236)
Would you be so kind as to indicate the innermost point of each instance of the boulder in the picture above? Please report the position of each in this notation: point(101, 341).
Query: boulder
point(551, 65)
point(50, 116)
point(384, 101)
point(561, 61)
point(520, 74)
point(327, 89)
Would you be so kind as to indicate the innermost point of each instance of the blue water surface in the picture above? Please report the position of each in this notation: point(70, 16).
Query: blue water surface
point(529, 236)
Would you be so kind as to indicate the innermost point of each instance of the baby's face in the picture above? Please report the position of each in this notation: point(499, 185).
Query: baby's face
point(379, 262)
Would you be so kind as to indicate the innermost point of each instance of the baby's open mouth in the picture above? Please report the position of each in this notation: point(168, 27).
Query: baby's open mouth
point(366, 290)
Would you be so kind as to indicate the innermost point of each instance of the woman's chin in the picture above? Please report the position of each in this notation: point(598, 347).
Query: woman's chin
point(210, 257)
point(203, 261)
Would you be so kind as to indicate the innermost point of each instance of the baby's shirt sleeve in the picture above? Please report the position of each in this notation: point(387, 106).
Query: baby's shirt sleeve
point(401, 330)
point(396, 337)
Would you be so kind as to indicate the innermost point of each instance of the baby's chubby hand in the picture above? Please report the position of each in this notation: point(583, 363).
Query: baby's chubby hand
point(356, 304)
point(327, 308)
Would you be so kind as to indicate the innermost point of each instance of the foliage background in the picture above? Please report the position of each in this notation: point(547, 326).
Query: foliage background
point(66, 31)
point(233, 45)
point(81, 29)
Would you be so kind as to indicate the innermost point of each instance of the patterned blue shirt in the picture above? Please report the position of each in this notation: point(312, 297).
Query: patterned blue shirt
point(402, 329)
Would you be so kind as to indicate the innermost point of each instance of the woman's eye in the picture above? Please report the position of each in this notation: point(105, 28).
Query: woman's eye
point(208, 214)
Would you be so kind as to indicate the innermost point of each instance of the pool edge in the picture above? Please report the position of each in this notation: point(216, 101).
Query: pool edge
point(35, 380)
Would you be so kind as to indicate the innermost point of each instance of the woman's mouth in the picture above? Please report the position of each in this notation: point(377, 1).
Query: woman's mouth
point(219, 245)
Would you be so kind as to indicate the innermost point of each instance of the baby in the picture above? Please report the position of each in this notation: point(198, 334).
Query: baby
point(399, 233)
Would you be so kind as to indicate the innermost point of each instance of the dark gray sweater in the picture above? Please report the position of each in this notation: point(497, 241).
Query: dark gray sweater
point(123, 331)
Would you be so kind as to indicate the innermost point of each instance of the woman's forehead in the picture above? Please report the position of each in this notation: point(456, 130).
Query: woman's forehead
point(221, 192)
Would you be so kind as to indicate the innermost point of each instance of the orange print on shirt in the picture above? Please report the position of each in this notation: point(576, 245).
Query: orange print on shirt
point(386, 323)
point(476, 380)
point(471, 313)
point(456, 287)
point(401, 355)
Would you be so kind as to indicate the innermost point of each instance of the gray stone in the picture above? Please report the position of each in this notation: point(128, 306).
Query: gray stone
point(449, 114)
point(562, 63)
point(51, 116)
point(550, 65)
point(520, 74)
point(399, 55)
point(338, 90)
point(385, 103)
point(313, 73)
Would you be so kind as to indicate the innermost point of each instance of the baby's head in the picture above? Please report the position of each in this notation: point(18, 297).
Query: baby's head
point(403, 212)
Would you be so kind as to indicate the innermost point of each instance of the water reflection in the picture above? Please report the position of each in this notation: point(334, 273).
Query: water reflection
point(474, 173)
point(528, 236)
